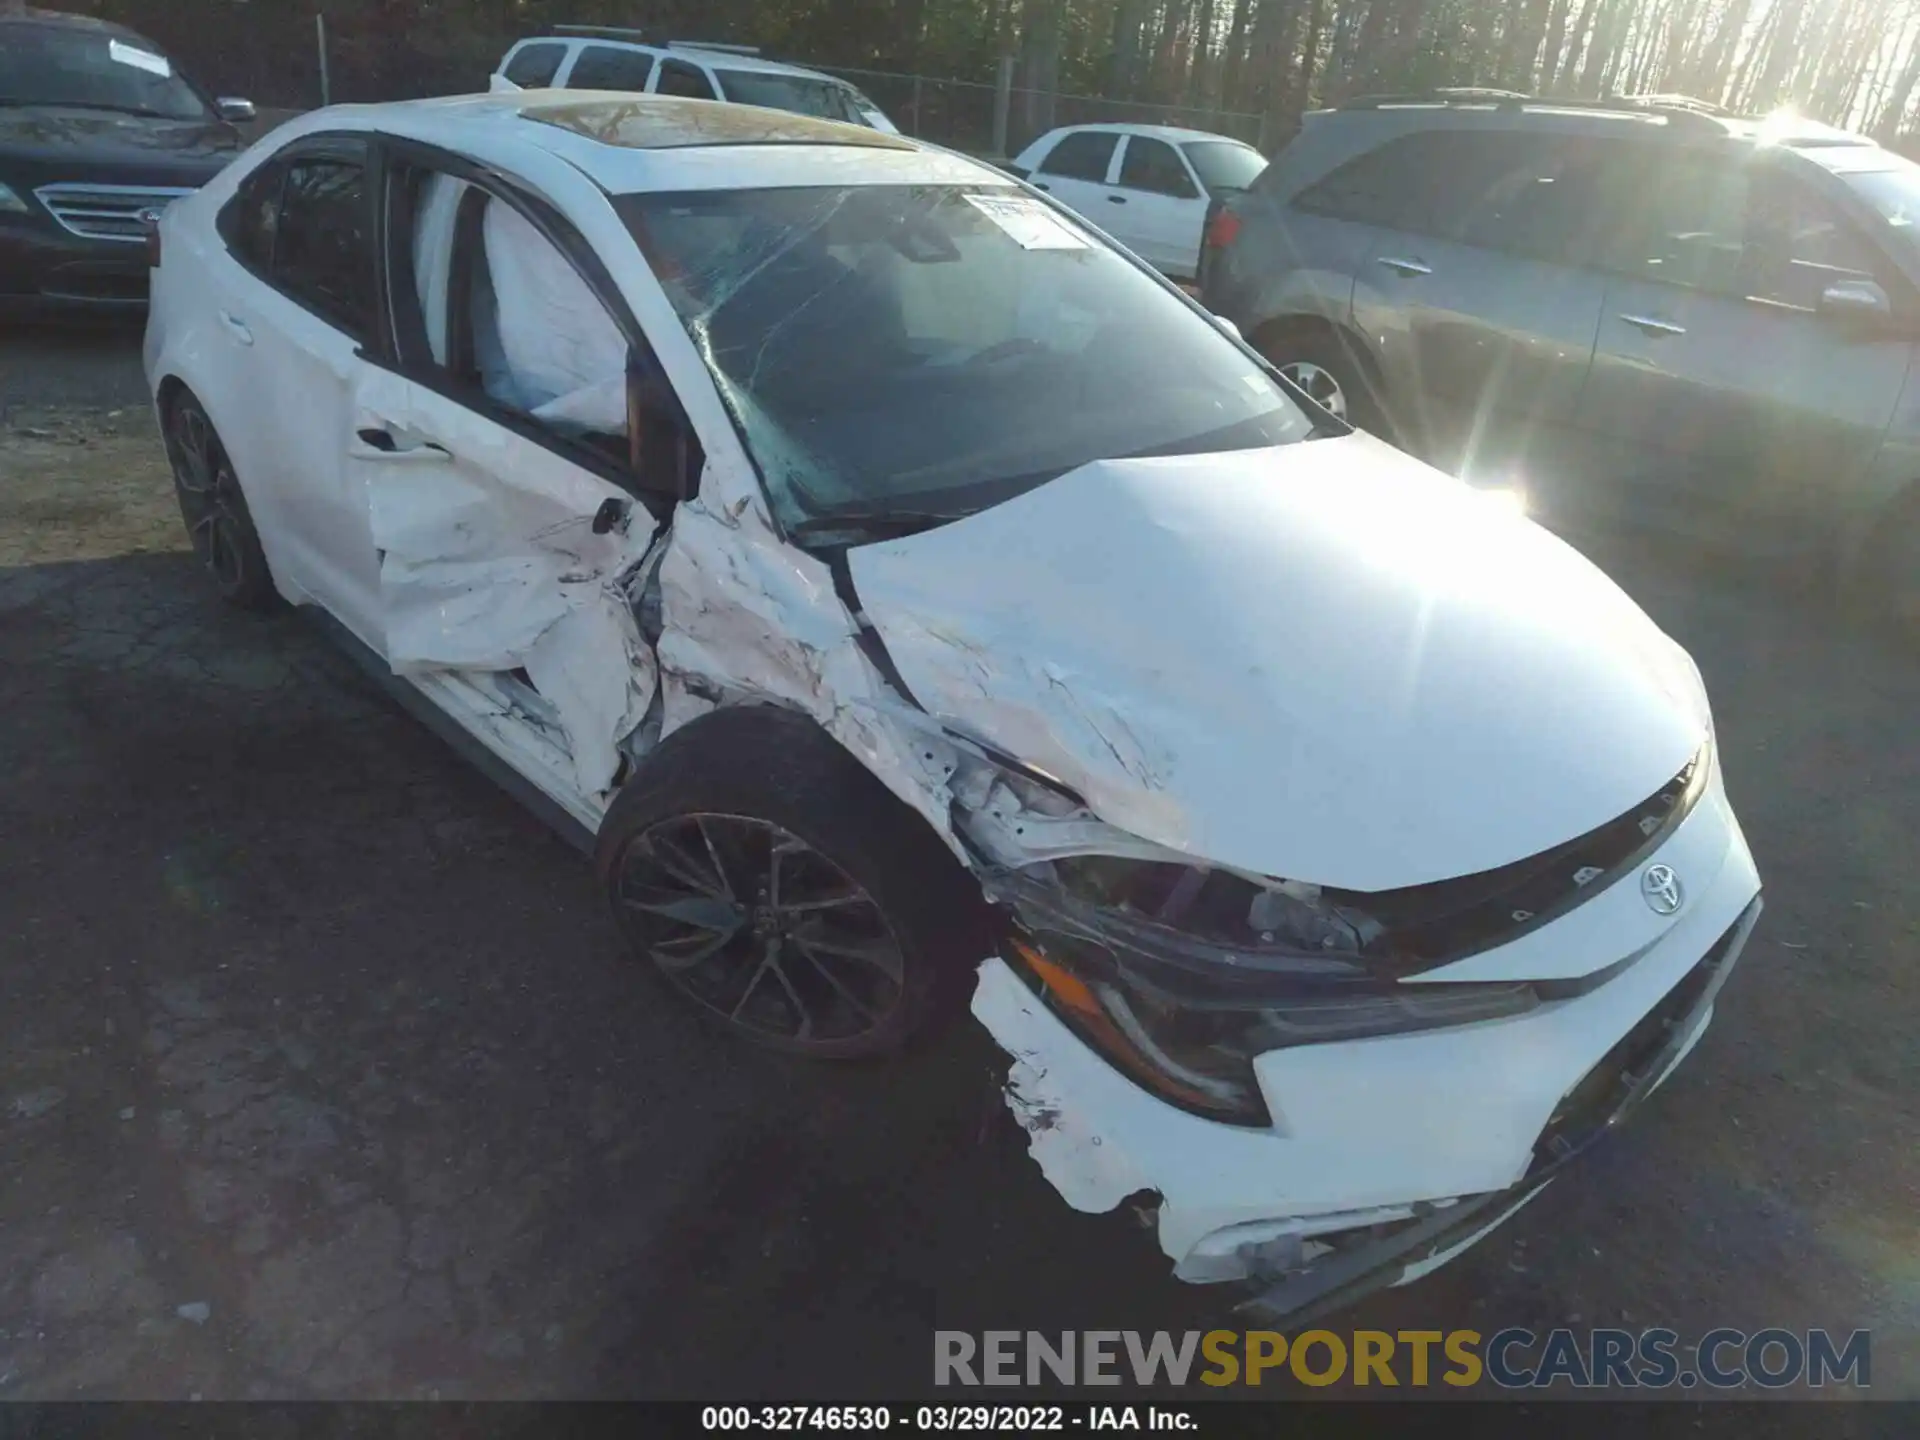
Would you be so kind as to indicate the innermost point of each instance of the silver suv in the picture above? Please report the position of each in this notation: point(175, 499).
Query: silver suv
point(1644, 310)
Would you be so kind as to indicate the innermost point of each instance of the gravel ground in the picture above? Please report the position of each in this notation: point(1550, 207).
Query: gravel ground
point(321, 1074)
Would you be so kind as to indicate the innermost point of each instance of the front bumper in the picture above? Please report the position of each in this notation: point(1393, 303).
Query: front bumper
point(44, 268)
point(1389, 1155)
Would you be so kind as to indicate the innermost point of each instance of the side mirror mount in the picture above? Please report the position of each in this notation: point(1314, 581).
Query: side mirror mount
point(660, 452)
point(1856, 303)
point(232, 107)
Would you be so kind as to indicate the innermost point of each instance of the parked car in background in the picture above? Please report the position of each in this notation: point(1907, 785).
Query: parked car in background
point(602, 57)
point(907, 596)
point(1148, 186)
point(98, 132)
point(1647, 311)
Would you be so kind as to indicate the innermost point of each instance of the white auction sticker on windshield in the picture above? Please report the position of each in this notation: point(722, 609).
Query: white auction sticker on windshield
point(1027, 222)
point(139, 59)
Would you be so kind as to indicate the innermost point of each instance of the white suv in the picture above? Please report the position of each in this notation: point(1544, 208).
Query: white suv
point(592, 57)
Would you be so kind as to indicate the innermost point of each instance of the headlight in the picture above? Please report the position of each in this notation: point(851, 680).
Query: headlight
point(1185, 1011)
point(11, 203)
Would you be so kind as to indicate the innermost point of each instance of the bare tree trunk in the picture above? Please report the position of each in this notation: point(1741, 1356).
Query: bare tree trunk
point(1123, 66)
point(1040, 61)
point(1780, 54)
point(1200, 56)
point(1233, 62)
point(1301, 96)
point(1708, 76)
point(1554, 43)
point(1606, 40)
point(1577, 41)
point(1346, 26)
point(1893, 115)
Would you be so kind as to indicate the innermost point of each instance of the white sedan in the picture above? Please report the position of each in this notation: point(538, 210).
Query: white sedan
point(906, 597)
point(1148, 186)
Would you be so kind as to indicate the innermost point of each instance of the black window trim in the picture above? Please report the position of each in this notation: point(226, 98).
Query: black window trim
point(652, 57)
point(535, 42)
point(663, 62)
point(1113, 155)
point(348, 146)
point(1119, 182)
point(410, 356)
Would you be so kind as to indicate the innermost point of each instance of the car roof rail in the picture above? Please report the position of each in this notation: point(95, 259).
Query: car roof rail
point(722, 46)
point(1668, 101)
point(1454, 94)
point(1676, 109)
point(609, 32)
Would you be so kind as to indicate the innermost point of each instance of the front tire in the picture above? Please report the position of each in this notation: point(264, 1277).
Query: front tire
point(770, 879)
point(214, 509)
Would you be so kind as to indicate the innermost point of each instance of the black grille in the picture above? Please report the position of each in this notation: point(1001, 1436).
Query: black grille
point(1586, 1110)
point(1429, 925)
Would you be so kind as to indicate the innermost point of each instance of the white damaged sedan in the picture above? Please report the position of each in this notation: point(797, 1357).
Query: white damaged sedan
point(907, 597)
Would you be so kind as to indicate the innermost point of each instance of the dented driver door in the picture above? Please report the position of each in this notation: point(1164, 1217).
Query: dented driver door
point(493, 464)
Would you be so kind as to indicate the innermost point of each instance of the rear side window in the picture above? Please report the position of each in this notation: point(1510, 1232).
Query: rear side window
point(252, 217)
point(1084, 155)
point(1528, 194)
point(1151, 165)
point(323, 252)
point(1536, 196)
point(608, 67)
point(533, 66)
point(1379, 188)
point(689, 81)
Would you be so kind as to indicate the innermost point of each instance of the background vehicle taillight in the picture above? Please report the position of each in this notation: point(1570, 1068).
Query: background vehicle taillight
point(1217, 232)
point(1223, 226)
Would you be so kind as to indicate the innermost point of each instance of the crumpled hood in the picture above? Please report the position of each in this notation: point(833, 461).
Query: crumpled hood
point(1324, 661)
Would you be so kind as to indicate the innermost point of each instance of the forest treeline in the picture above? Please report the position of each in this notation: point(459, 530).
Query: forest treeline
point(1855, 62)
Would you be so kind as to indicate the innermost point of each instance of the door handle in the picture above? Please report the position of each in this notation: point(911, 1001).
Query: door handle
point(237, 327)
point(1406, 267)
point(1654, 327)
point(1116, 199)
point(378, 443)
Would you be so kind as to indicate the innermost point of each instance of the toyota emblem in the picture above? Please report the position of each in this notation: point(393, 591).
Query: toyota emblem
point(1660, 887)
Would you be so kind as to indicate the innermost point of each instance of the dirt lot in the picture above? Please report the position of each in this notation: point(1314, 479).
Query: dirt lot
point(320, 1074)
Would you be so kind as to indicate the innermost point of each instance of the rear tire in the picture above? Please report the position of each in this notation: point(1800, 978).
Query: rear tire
point(214, 509)
point(1325, 365)
point(772, 880)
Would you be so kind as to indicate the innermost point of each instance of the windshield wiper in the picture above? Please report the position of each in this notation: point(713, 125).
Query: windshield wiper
point(90, 105)
point(872, 524)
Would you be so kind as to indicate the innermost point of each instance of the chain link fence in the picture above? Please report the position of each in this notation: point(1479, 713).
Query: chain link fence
point(966, 114)
point(271, 53)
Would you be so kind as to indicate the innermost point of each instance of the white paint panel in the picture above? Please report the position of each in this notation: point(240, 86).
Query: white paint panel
point(1321, 661)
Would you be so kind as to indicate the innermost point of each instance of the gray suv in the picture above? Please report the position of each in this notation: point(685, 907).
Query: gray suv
point(1649, 312)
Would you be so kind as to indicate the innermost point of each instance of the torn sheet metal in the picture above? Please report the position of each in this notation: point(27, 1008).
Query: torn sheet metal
point(480, 571)
point(745, 617)
point(1308, 661)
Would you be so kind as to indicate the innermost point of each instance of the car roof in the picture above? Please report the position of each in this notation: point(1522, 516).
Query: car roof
point(1158, 132)
point(622, 119)
point(627, 143)
point(67, 20)
point(688, 50)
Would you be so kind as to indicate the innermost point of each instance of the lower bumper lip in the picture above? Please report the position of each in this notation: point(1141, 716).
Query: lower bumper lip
point(1338, 1279)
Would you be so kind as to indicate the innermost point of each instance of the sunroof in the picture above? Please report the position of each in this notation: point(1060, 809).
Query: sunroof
point(655, 122)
